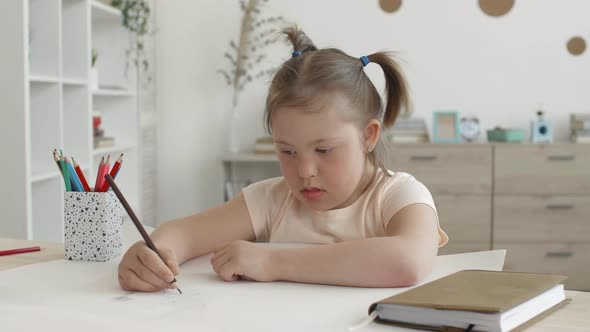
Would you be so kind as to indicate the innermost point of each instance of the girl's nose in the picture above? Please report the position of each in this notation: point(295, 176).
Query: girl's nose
point(307, 169)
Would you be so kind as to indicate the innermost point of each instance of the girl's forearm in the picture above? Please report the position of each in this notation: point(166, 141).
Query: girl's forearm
point(375, 262)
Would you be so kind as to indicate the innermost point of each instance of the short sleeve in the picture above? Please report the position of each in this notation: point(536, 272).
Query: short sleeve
point(264, 200)
point(402, 190)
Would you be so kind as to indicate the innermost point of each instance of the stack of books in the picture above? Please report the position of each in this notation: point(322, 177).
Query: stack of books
point(408, 130)
point(264, 145)
point(100, 140)
point(580, 127)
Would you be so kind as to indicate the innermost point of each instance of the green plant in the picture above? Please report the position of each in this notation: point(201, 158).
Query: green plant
point(255, 35)
point(136, 18)
point(94, 56)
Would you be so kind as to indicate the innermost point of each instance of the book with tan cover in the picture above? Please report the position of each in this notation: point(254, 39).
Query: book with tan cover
point(490, 300)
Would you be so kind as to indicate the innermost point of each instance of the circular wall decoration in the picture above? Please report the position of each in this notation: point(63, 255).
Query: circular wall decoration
point(496, 7)
point(576, 45)
point(390, 6)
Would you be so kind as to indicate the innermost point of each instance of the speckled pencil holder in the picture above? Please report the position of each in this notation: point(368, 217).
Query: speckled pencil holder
point(93, 226)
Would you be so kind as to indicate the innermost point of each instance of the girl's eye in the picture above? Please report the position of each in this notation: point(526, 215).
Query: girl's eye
point(323, 150)
point(288, 152)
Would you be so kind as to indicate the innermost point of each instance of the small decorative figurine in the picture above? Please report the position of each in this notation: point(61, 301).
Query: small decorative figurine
point(541, 131)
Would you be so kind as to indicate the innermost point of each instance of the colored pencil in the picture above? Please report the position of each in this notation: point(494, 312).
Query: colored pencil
point(65, 174)
point(56, 158)
point(113, 173)
point(19, 251)
point(81, 175)
point(100, 168)
point(105, 171)
point(74, 176)
point(135, 220)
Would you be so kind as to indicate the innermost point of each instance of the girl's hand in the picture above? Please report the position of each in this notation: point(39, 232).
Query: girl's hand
point(243, 259)
point(142, 269)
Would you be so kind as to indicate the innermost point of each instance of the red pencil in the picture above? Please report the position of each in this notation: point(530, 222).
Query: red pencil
point(100, 168)
point(81, 175)
point(18, 251)
point(113, 173)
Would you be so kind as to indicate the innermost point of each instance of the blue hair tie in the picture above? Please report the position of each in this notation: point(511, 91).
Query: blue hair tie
point(295, 53)
point(365, 60)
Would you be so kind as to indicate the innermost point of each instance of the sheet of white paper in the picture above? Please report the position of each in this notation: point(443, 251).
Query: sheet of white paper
point(69, 296)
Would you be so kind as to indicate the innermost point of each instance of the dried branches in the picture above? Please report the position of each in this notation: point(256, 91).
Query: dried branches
point(249, 52)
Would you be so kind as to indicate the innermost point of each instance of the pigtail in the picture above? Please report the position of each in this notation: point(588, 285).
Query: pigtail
point(299, 39)
point(396, 88)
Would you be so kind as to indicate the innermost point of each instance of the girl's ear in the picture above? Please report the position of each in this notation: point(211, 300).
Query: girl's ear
point(371, 134)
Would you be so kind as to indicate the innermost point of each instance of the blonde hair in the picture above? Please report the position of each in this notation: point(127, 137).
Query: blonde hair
point(312, 73)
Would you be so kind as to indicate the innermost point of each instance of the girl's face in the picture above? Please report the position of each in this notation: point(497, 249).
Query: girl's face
point(322, 154)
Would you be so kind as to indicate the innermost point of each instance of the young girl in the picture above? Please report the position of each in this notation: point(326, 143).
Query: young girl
point(377, 228)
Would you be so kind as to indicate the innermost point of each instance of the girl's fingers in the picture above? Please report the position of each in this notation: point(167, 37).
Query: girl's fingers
point(217, 255)
point(225, 271)
point(219, 262)
point(170, 258)
point(147, 275)
point(131, 282)
point(154, 263)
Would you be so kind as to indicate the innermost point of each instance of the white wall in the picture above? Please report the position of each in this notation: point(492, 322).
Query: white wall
point(455, 57)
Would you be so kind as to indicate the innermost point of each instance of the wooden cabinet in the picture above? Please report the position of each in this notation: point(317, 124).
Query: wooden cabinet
point(570, 259)
point(537, 169)
point(445, 168)
point(541, 209)
point(541, 218)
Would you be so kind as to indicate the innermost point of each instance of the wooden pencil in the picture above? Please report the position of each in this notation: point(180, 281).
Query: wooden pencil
point(81, 175)
point(100, 168)
point(135, 220)
point(114, 171)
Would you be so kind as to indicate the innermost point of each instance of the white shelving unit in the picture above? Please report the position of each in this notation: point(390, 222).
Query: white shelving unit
point(47, 102)
point(242, 169)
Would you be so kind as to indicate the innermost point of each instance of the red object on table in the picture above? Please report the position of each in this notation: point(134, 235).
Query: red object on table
point(19, 251)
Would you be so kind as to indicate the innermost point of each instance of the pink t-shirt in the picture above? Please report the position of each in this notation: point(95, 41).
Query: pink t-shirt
point(278, 216)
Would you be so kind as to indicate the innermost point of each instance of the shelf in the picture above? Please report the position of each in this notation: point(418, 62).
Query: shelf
point(43, 41)
point(116, 148)
point(104, 13)
point(45, 176)
point(43, 79)
point(75, 39)
point(250, 157)
point(74, 81)
point(112, 92)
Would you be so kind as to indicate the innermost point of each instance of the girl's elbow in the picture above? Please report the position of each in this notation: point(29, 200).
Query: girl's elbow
point(412, 273)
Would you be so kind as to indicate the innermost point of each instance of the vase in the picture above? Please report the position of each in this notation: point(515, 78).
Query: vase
point(233, 131)
point(94, 78)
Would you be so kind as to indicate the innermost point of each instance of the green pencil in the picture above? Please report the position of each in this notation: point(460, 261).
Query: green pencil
point(66, 174)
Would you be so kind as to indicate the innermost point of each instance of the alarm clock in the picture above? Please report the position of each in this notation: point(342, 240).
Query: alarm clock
point(541, 131)
point(469, 128)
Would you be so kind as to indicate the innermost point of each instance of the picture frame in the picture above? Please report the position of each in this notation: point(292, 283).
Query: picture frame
point(445, 127)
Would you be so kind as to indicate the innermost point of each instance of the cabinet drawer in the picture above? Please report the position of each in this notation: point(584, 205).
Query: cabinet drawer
point(557, 169)
point(572, 260)
point(457, 247)
point(465, 217)
point(445, 168)
point(541, 218)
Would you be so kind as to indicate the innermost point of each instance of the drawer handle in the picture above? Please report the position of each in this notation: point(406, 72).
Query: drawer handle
point(561, 158)
point(423, 158)
point(560, 206)
point(559, 254)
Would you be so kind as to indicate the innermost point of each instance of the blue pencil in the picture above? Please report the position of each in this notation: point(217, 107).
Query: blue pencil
point(74, 176)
